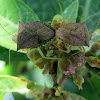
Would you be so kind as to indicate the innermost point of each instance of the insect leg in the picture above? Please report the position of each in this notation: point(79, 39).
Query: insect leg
point(11, 42)
point(80, 48)
point(68, 49)
point(48, 22)
point(83, 49)
point(74, 54)
point(5, 30)
point(60, 46)
point(41, 53)
point(9, 52)
point(70, 21)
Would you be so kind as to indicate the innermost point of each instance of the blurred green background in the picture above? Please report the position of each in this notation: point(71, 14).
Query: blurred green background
point(13, 11)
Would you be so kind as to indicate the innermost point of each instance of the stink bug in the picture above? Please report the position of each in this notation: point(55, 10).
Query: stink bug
point(71, 33)
point(74, 34)
point(32, 35)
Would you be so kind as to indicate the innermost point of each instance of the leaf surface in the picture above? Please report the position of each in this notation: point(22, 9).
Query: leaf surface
point(13, 11)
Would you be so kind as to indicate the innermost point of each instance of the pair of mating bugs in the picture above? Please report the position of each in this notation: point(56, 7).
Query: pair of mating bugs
point(33, 34)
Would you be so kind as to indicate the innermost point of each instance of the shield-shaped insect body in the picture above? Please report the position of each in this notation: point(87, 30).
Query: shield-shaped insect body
point(32, 34)
point(75, 34)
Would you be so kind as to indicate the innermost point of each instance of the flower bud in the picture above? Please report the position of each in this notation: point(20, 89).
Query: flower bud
point(41, 62)
point(93, 61)
point(57, 21)
point(78, 79)
point(33, 54)
point(65, 66)
point(77, 59)
point(95, 47)
point(46, 68)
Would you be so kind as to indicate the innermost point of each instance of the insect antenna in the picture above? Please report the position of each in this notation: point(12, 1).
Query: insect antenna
point(74, 54)
point(11, 42)
point(48, 22)
point(5, 30)
point(9, 52)
point(82, 49)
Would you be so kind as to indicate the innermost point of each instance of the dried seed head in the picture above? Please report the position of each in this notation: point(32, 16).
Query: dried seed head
point(32, 34)
point(77, 58)
point(75, 34)
point(65, 66)
point(69, 63)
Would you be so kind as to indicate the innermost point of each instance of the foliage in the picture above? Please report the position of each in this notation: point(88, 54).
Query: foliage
point(13, 11)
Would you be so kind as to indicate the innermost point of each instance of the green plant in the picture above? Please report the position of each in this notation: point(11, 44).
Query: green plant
point(13, 11)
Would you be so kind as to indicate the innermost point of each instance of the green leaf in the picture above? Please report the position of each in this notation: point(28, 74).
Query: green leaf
point(95, 82)
point(17, 96)
point(89, 11)
point(14, 56)
point(73, 96)
point(71, 11)
point(37, 88)
point(46, 9)
point(2, 95)
point(67, 95)
point(11, 12)
point(64, 3)
point(91, 88)
point(12, 84)
point(36, 75)
point(17, 85)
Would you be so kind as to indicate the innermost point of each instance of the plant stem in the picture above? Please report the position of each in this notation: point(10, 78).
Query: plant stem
point(62, 80)
point(85, 11)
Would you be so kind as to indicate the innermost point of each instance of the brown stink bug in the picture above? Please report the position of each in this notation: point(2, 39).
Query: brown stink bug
point(74, 34)
point(70, 33)
point(32, 35)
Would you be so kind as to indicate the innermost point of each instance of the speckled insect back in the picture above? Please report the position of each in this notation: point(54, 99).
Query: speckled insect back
point(32, 34)
point(70, 33)
point(75, 34)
